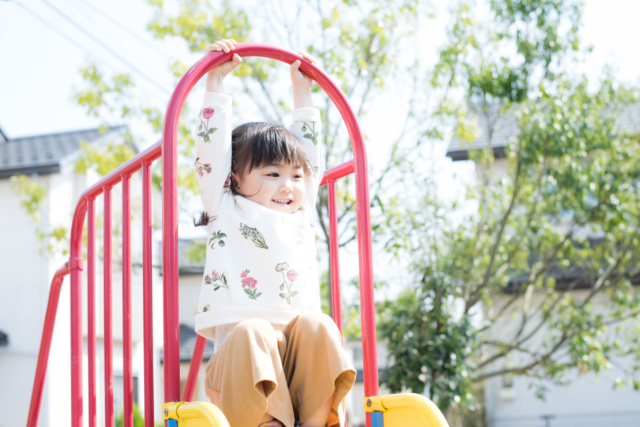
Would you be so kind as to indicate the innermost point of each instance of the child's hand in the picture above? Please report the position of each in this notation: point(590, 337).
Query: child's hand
point(216, 75)
point(300, 80)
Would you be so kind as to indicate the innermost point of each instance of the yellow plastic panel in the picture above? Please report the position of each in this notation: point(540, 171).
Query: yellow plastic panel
point(409, 409)
point(195, 414)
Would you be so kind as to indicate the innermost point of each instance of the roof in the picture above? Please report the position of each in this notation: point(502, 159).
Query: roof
point(188, 338)
point(44, 154)
point(505, 126)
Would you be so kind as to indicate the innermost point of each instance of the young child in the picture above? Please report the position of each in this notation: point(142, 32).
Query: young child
point(278, 361)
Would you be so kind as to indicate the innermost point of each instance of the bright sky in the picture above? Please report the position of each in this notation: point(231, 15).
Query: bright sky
point(39, 68)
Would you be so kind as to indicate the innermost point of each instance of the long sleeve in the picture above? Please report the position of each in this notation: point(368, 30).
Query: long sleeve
point(306, 127)
point(213, 149)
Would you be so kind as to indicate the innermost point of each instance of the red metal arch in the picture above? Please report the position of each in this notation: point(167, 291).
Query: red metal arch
point(170, 207)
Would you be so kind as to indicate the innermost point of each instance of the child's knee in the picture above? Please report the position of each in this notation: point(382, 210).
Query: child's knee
point(251, 328)
point(317, 323)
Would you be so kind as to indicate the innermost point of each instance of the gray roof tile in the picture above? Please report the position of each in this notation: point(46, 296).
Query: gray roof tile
point(42, 154)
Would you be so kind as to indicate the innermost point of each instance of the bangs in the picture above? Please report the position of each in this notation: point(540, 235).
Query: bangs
point(259, 144)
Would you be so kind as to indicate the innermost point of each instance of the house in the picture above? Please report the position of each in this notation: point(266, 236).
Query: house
point(27, 272)
point(588, 398)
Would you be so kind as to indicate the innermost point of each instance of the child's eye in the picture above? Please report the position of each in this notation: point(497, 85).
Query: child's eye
point(274, 174)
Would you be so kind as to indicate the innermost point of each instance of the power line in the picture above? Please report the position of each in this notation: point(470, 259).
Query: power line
point(108, 49)
point(61, 34)
point(106, 16)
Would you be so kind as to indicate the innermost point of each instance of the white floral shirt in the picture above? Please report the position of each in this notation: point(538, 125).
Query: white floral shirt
point(260, 263)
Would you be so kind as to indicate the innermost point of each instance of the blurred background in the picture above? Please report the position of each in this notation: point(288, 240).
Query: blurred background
point(502, 138)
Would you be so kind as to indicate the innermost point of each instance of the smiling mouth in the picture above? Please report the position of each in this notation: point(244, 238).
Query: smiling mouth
point(283, 202)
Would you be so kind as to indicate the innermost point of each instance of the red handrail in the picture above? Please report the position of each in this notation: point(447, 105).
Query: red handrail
point(167, 147)
point(45, 345)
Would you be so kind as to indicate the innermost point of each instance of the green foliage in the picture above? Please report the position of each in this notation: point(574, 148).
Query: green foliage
point(434, 360)
point(105, 158)
point(534, 270)
point(33, 196)
point(138, 418)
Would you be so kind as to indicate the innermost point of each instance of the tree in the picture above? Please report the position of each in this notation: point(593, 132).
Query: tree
point(533, 273)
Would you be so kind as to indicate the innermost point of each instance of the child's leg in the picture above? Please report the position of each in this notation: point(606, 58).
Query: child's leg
point(317, 369)
point(245, 378)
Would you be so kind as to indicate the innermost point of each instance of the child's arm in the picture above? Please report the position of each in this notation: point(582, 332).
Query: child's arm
point(306, 127)
point(213, 132)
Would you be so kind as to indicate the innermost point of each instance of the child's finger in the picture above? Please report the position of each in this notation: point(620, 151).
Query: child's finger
point(229, 44)
point(295, 65)
point(213, 48)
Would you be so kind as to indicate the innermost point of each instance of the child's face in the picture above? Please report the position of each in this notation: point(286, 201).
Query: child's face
point(277, 186)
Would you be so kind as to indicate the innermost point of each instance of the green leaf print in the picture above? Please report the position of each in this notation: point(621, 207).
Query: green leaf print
point(312, 135)
point(217, 236)
point(256, 237)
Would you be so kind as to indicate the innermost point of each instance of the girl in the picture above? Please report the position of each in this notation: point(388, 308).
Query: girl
point(277, 360)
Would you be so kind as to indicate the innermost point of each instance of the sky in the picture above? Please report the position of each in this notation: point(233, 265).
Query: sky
point(39, 65)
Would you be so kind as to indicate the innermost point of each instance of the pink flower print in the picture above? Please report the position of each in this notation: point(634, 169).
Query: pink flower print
point(208, 112)
point(292, 275)
point(202, 167)
point(249, 285)
point(205, 130)
point(211, 279)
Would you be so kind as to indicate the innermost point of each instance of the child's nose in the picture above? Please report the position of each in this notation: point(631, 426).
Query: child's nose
point(287, 186)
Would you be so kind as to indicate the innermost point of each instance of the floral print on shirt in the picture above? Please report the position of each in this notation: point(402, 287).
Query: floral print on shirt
point(217, 236)
point(205, 130)
point(211, 279)
point(311, 134)
point(249, 285)
point(202, 168)
point(252, 233)
point(292, 275)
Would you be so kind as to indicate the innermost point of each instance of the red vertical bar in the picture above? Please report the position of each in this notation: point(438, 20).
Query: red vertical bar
point(194, 369)
point(75, 268)
point(108, 331)
point(147, 280)
point(45, 346)
point(91, 315)
point(127, 374)
point(170, 275)
point(333, 256)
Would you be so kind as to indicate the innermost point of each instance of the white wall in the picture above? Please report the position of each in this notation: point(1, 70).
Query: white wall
point(586, 393)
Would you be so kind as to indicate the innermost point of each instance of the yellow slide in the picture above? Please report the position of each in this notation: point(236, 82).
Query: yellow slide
point(403, 410)
point(193, 414)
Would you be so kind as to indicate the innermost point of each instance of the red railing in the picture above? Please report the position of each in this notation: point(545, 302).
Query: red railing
point(85, 207)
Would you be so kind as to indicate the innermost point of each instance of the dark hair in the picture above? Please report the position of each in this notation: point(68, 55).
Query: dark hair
point(256, 144)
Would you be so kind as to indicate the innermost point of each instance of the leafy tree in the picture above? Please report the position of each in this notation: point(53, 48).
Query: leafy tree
point(532, 274)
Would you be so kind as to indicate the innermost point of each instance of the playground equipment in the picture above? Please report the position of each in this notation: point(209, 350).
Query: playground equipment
point(390, 411)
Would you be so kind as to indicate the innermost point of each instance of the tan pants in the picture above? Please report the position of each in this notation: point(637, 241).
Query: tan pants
point(288, 374)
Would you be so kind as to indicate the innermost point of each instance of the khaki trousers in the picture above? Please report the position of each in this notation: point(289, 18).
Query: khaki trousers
point(288, 374)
